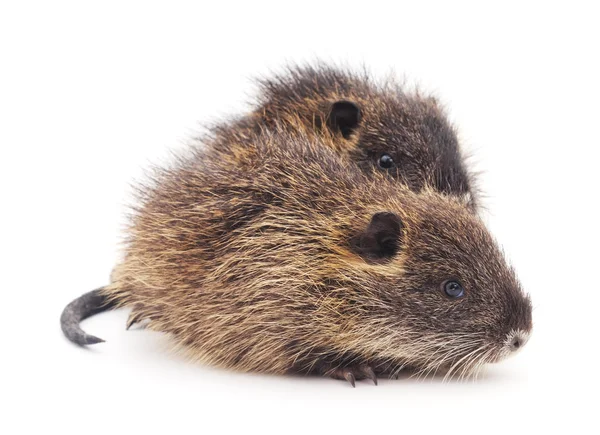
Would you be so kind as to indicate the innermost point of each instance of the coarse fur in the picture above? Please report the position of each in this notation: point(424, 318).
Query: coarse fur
point(291, 260)
point(365, 118)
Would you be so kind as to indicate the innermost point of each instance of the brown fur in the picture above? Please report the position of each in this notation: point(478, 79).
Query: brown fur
point(263, 263)
point(411, 128)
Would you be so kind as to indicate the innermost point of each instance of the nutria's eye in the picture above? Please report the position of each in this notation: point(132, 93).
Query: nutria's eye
point(453, 289)
point(385, 161)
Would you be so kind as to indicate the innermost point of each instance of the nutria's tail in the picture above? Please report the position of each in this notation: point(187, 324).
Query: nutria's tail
point(84, 306)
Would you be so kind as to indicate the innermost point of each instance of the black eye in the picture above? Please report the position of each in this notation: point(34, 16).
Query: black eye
point(453, 289)
point(385, 161)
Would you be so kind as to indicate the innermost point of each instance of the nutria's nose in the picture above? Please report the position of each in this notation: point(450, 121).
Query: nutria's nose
point(516, 340)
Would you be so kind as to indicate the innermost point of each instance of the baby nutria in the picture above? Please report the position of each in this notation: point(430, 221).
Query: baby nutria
point(294, 262)
point(375, 124)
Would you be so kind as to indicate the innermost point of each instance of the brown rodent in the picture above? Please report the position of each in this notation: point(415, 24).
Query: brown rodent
point(295, 262)
point(374, 123)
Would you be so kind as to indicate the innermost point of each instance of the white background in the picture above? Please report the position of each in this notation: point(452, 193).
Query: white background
point(90, 93)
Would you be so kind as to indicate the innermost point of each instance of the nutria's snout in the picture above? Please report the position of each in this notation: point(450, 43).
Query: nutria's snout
point(515, 340)
point(517, 324)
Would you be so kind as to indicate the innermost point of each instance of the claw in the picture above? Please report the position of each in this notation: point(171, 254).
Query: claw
point(369, 373)
point(132, 320)
point(349, 376)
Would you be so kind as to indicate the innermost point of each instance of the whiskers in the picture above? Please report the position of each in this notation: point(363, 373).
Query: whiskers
point(457, 357)
point(469, 366)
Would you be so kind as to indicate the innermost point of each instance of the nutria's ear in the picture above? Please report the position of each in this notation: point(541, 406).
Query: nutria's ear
point(344, 116)
point(381, 240)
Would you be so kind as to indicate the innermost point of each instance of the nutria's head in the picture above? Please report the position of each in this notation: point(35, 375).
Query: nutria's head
point(377, 125)
point(441, 296)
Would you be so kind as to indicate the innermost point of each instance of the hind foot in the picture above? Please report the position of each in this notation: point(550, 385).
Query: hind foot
point(353, 373)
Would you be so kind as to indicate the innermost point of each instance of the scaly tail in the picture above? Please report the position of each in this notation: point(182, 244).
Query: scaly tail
point(81, 308)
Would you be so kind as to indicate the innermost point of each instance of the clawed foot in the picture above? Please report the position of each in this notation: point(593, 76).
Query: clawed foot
point(137, 319)
point(353, 373)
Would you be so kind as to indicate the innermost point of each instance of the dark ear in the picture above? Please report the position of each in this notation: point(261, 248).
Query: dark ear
point(344, 117)
point(381, 240)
